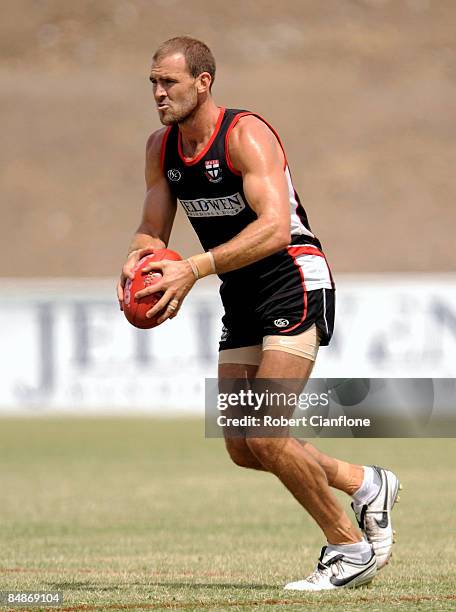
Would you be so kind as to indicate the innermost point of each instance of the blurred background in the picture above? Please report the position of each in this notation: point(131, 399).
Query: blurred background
point(109, 510)
point(116, 510)
point(363, 94)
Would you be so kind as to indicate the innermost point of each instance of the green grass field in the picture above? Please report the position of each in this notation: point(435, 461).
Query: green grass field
point(143, 514)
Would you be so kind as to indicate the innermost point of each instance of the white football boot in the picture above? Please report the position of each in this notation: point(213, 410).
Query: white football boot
point(335, 571)
point(374, 518)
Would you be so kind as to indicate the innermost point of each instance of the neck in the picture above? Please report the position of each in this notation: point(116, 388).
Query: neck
point(198, 128)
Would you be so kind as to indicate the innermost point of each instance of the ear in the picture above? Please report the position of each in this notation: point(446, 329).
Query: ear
point(203, 82)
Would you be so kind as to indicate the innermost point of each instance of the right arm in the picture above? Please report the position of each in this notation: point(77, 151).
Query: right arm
point(158, 213)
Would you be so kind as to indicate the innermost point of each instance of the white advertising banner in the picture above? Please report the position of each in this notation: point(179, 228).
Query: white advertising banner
point(66, 346)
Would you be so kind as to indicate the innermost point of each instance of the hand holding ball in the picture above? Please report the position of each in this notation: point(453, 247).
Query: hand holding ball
point(135, 311)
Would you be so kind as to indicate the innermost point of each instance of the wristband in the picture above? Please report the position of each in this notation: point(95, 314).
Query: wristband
point(202, 264)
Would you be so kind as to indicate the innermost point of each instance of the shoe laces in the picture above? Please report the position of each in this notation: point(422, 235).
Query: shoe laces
point(317, 574)
point(334, 565)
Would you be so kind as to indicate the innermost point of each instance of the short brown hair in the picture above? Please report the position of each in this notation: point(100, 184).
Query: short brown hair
point(198, 56)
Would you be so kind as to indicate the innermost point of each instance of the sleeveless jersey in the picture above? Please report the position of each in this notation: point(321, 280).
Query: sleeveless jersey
point(210, 189)
point(284, 293)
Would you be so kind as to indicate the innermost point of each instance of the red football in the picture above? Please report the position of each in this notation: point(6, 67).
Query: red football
point(135, 312)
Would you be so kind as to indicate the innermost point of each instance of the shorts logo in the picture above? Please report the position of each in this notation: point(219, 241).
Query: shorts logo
point(224, 336)
point(213, 171)
point(174, 175)
point(281, 322)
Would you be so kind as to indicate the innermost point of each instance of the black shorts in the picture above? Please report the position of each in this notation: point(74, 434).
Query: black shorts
point(284, 294)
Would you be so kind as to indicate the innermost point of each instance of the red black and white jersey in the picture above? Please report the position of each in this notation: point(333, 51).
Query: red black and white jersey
point(210, 189)
point(211, 192)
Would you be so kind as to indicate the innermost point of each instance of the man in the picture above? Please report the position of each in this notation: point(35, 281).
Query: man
point(229, 171)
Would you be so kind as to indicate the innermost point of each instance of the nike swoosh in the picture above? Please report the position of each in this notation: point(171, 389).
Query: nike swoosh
point(383, 522)
point(343, 581)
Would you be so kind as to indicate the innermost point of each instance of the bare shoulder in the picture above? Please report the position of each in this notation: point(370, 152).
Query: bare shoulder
point(251, 128)
point(251, 140)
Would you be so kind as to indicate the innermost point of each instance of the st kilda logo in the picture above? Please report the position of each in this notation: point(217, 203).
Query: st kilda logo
point(213, 170)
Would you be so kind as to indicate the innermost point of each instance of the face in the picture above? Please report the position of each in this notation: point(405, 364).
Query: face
point(175, 90)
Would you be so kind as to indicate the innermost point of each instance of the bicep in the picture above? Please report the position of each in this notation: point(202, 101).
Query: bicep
point(266, 191)
point(259, 157)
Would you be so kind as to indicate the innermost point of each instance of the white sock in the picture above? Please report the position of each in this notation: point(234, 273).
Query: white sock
point(360, 552)
point(369, 488)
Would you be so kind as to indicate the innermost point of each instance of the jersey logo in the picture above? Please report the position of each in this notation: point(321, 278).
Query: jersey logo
point(213, 171)
point(281, 322)
point(174, 175)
